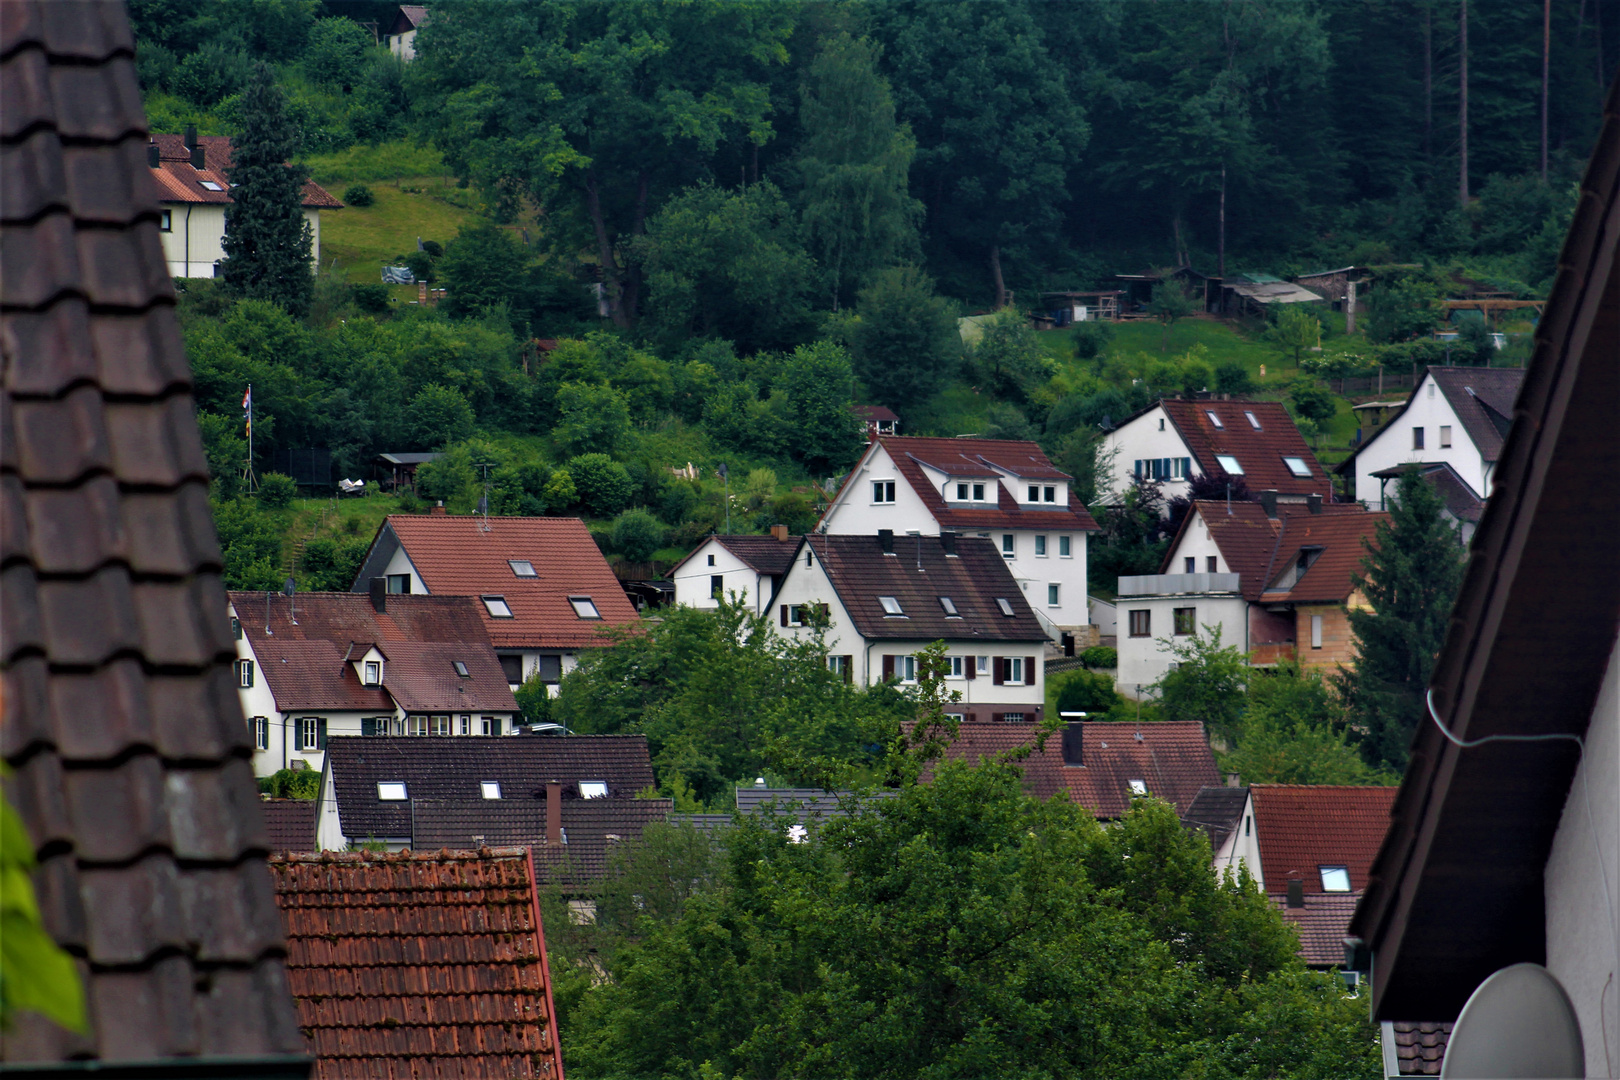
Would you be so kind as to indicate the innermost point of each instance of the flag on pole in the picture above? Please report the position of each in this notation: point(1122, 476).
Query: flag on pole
point(247, 408)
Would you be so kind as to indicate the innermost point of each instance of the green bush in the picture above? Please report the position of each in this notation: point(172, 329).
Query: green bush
point(1233, 378)
point(433, 248)
point(1091, 338)
point(420, 264)
point(358, 195)
point(276, 491)
point(1089, 692)
point(291, 784)
point(372, 299)
point(1100, 656)
point(603, 485)
point(637, 534)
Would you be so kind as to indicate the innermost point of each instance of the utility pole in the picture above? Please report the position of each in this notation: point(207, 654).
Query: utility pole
point(1221, 269)
point(1462, 105)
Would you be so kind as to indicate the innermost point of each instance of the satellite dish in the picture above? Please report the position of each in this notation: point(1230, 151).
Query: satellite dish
point(1518, 1023)
point(289, 587)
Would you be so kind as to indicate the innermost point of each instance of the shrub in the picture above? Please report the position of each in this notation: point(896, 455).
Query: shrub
point(438, 415)
point(1100, 656)
point(603, 484)
point(1091, 338)
point(1233, 378)
point(1088, 692)
point(421, 266)
point(372, 299)
point(637, 534)
point(433, 248)
point(358, 195)
point(276, 490)
point(291, 784)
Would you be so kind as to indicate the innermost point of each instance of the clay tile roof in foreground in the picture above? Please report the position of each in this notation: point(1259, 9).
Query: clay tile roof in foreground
point(973, 458)
point(1342, 538)
point(419, 964)
point(1420, 1048)
point(121, 726)
point(1172, 759)
point(290, 824)
point(1260, 451)
point(592, 828)
point(1301, 828)
point(467, 555)
point(174, 180)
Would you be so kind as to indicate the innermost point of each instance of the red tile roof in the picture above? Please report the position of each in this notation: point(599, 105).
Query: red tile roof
point(290, 824)
point(175, 181)
point(1420, 1048)
point(1172, 759)
point(1251, 544)
point(1321, 925)
point(348, 616)
point(1260, 452)
point(1301, 828)
point(461, 555)
point(974, 457)
point(313, 675)
point(1328, 581)
point(419, 964)
point(872, 413)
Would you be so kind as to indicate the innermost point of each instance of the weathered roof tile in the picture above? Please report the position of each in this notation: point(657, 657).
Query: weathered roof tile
point(140, 354)
point(75, 530)
point(38, 261)
point(1300, 828)
point(60, 441)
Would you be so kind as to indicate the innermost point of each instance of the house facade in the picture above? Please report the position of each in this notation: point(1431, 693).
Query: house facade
point(545, 592)
point(401, 36)
point(1457, 416)
point(1006, 492)
point(189, 175)
point(881, 599)
point(1173, 440)
point(321, 665)
point(751, 567)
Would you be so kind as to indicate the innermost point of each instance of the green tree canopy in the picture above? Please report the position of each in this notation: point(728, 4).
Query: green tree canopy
point(905, 339)
point(1206, 681)
point(267, 240)
point(1294, 732)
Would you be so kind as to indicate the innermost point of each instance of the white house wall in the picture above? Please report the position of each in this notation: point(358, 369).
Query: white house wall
point(854, 512)
point(1198, 545)
point(196, 238)
point(400, 563)
point(1242, 848)
point(1392, 446)
point(1582, 881)
point(1151, 435)
point(1145, 660)
point(692, 578)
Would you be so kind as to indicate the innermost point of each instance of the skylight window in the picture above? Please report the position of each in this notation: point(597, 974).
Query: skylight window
point(461, 668)
point(1005, 605)
point(950, 607)
point(523, 567)
point(491, 789)
point(391, 790)
point(1254, 421)
point(1230, 464)
point(1335, 879)
point(1298, 467)
point(1214, 419)
point(584, 607)
point(210, 185)
point(593, 789)
point(891, 606)
point(1138, 787)
point(496, 606)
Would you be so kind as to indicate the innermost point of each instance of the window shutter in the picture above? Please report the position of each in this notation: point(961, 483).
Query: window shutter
point(998, 671)
point(320, 734)
point(849, 669)
point(1029, 671)
point(784, 614)
point(888, 666)
point(368, 725)
point(495, 725)
point(970, 667)
point(996, 717)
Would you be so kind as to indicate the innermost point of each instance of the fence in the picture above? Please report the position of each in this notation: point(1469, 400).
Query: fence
point(1381, 383)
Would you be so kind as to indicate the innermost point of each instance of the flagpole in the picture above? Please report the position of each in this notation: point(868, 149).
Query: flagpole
point(247, 473)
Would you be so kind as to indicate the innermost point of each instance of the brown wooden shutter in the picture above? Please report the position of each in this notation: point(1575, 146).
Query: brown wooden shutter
point(849, 669)
point(970, 668)
point(997, 718)
point(1029, 671)
point(888, 666)
point(998, 669)
point(784, 614)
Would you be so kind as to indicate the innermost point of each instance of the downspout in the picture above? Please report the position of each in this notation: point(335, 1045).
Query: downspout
point(283, 729)
point(188, 274)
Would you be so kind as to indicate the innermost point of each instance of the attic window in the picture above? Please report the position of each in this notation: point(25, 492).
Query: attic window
point(490, 789)
point(373, 671)
point(391, 790)
point(593, 789)
point(1214, 419)
point(1005, 605)
point(584, 607)
point(522, 567)
point(496, 606)
point(210, 185)
point(950, 607)
point(1335, 878)
point(1254, 421)
point(461, 668)
point(1298, 467)
point(1230, 464)
point(891, 606)
point(1138, 787)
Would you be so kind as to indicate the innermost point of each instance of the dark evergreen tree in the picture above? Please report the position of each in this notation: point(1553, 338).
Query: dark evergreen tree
point(267, 240)
point(1412, 571)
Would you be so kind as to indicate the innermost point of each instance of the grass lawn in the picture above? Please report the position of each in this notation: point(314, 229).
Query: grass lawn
point(361, 240)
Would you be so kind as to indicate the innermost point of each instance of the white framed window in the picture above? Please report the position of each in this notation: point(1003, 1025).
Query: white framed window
point(961, 492)
point(1417, 438)
point(1298, 467)
point(259, 732)
point(391, 791)
point(891, 606)
point(1254, 421)
point(1015, 670)
point(1013, 718)
point(373, 671)
point(1316, 631)
point(465, 726)
point(400, 584)
point(1040, 547)
point(883, 491)
point(1211, 563)
point(1007, 545)
point(1052, 589)
point(244, 673)
point(1005, 605)
point(1229, 464)
point(908, 669)
point(210, 185)
point(978, 493)
point(981, 665)
point(1214, 419)
point(461, 668)
point(1034, 493)
point(1191, 566)
point(165, 221)
point(416, 725)
point(440, 725)
point(593, 789)
point(1335, 878)
point(489, 725)
point(584, 607)
point(955, 668)
point(838, 665)
point(522, 567)
point(950, 607)
point(1049, 494)
point(1445, 436)
point(309, 733)
point(497, 607)
point(490, 789)
point(1065, 551)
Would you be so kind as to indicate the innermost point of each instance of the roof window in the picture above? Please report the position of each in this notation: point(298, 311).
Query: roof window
point(891, 606)
point(1230, 464)
point(1138, 787)
point(391, 790)
point(1335, 878)
point(593, 789)
point(1005, 605)
point(950, 607)
point(210, 185)
point(1254, 421)
point(522, 567)
point(461, 668)
point(496, 606)
point(1214, 419)
point(584, 607)
point(1298, 467)
point(490, 789)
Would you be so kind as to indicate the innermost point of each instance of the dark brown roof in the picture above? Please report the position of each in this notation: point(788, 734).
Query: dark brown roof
point(1217, 811)
point(1420, 1048)
point(408, 18)
point(453, 768)
point(419, 964)
point(130, 762)
point(873, 413)
point(1301, 828)
point(591, 829)
point(1250, 543)
point(1341, 539)
point(973, 457)
point(290, 824)
point(1458, 889)
point(1259, 451)
point(1482, 398)
point(1462, 502)
point(1172, 759)
point(1320, 925)
point(763, 554)
point(175, 181)
point(348, 616)
point(974, 579)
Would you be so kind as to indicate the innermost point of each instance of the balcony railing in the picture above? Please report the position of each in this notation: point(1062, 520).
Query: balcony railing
point(1179, 584)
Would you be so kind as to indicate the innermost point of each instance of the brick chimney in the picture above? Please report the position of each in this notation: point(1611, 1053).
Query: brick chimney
point(438, 508)
point(553, 813)
point(1074, 742)
point(154, 157)
point(379, 594)
point(1314, 503)
point(947, 542)
point(779, 533)
point(1296, 893)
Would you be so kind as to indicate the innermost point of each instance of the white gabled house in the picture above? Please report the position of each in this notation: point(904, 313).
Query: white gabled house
point(747, 566)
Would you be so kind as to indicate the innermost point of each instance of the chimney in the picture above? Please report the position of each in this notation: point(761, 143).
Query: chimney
point(553, 813)
point(886, 540)
point(1314, 503)
point(1268, 500)
point(379, 594)
point(947, 543)
point(191, 136)
point(779, 533)
point(1074, 742)
point(1233, 780)
point(438, 508)
point(154, 157)
point(1296, 893)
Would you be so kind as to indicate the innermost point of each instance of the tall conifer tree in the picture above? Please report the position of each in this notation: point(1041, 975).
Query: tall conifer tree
point(267, 240)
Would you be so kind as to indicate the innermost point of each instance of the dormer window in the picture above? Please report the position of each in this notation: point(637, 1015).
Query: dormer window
point(1298, 467)
point(891, 606)
point(950, 607)
point(1214, 419)
point(1229, 464)
point(1034, 493)
point(584, 607)
point(1254, 421)
point(497, 607)
point(461, 668)
point(1005, 605)
point(373, 672)
point(522, 567)
point(1049, 494)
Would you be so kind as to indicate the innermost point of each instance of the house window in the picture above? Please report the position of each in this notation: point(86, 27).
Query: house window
point(1185, 620)
point(883, 491)
point(1064, 551)
point(1161, 423)
point(244, 673)
point(1005, 605)
point(1040, 547)
point(549, 668)
point(1298, 467)
point(839, 665)
point(165, 221)
point(711, 560)
point(978, 493)
point(962, 492)
point(522, 567)
point(1191, 565)
point(1007, 545)
point(908, 669)
point(373, 673)
point(1034, 493)
point(309, 733)
point(1254, 421)
point(1138, 787)
point(416, 725)
point(512, 668)
point(1316, 631)
point(717, 586)
point(954, 667)
point(1211, 563)
point(1050, 494)
point(466, 724)
point(391, 790)
point(489, 725)
point(584, 607)
point(1052, 594)
point(1015, 670)
point(891, 606)
point(1013, 717)
point(490, 789)
point(497, 607)
point(259, 732)
point(950, 607)
point(1230, 464)
point(1214, 419)
point(236, 628)
point(209, 185)
point(1335, 878)
point(461, 668)
point(593, 789)
point(399, 583)
point(1141, 623)
point(1417, 438)
point(981, 665)
point(440, 725)
point(1445, 436)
